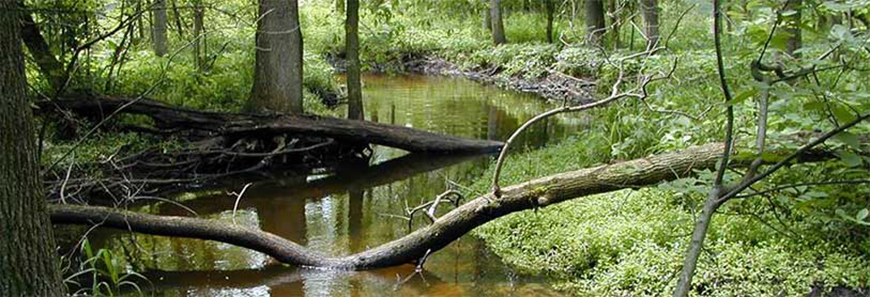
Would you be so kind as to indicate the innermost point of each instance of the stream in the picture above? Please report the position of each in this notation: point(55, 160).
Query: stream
point(357, 207)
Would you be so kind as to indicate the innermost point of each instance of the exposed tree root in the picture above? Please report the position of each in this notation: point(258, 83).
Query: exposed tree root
point(447, 228)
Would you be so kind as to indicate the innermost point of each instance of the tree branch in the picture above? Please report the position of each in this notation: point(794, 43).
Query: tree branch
point(447, 228)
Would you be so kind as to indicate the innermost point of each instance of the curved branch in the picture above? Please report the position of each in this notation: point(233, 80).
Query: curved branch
point(496, 189)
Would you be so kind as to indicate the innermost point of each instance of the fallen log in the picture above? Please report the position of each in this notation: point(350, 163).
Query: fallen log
point(537, 193)
point(238, 124)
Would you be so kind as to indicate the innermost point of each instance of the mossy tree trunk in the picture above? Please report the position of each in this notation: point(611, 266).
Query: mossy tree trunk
point(354, 86)
point(498, 36)
point(278, 70)
point(28, 263)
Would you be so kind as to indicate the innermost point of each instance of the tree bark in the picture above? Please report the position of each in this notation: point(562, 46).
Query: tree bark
point(594, 20)
point(49, 66)
point(278, 70)
point(158, 28)
point(199, 39)
point(650, 10)
point(498, 36)
point(537, 193)
point(28, 263)
point(354, 86)
point(696, 243)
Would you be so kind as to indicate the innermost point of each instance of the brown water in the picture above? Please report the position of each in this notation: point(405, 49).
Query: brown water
point(355, 208)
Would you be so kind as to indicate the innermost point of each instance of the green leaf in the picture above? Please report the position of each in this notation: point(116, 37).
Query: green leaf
point(742, 97)
point(863, 214)
point(840, 212)
point(842, 113)
point(849, 139)
point(814, 105)
point(780, 40)
point(851, 160)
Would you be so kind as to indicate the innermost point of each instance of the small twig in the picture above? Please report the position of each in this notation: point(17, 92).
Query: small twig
point(65, 180)
point(238, 199)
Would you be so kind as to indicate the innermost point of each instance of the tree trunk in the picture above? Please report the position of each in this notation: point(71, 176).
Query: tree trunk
point(595, 20)
point(158, 28)
point(551, 11)
point(28, 262)
point(487, 17)
point(650, 10)
point(50, 68)
point(278, 70)
point(181, 120)
point(354, 86)
point(537, 193)
point(498, 36)
point(793, 22)
point(199, 39)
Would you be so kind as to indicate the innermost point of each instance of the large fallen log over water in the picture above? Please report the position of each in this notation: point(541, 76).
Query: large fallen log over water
point(540, 192)
point(171, 119)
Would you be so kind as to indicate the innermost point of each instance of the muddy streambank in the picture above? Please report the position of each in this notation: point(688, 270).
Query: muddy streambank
point(555, 87)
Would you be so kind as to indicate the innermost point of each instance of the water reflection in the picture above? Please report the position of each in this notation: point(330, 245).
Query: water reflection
point(356, 207)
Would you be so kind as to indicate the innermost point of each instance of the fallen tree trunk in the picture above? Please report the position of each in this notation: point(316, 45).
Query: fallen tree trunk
point(237, 124)
point(533, 194)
